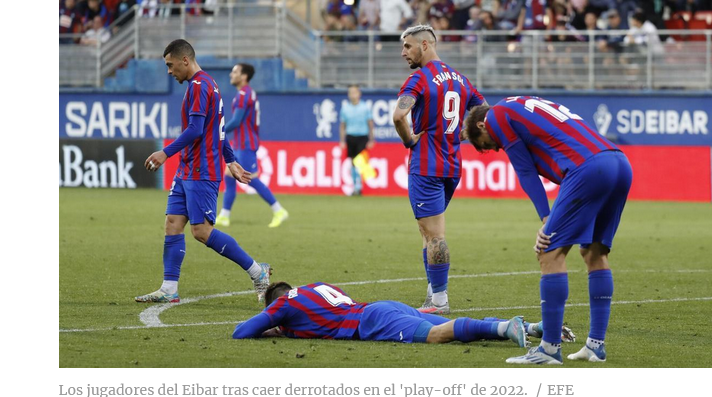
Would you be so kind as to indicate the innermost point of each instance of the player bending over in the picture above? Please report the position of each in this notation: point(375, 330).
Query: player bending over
point(544, 138)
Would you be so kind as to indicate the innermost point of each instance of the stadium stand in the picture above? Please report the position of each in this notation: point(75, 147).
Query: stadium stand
point(330, 52)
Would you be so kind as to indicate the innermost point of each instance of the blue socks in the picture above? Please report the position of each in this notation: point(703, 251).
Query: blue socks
point(263, 191)
point(554, 290)
point(226, 246)
point(173, 254)
point(437, 275)
point(600, 292)
point(425, 263)
point(468, 329)
point(230, 192)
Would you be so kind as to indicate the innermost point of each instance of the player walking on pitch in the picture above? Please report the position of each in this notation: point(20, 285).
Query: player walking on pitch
point(437, 98)
point(194, 193)
point(544, 138)
point(245, 123)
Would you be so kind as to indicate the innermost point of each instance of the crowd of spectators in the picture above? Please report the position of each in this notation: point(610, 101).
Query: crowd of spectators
point(510, 16)
point(88, 21)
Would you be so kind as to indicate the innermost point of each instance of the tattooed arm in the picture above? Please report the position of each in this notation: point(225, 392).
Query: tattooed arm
point(405, 103)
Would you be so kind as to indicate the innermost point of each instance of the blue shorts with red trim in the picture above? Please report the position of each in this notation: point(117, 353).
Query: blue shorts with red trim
point(393, 321)
point(590, 202)
point(196, 200)
point(247, 158)
point(430, 195)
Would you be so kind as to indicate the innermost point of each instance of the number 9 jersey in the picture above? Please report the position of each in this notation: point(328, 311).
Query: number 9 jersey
point(442, 96)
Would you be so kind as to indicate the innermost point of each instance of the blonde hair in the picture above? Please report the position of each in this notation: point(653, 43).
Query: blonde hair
point(418, 30)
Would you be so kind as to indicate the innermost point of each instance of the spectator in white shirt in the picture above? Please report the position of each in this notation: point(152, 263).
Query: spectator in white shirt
point(394, 14)
point(644, 33)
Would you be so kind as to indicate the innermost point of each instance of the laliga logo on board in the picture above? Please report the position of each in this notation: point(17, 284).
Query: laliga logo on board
point(326, 115)
point(602, 118)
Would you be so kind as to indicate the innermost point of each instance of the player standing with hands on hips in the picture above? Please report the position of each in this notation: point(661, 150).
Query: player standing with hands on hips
point(194, 193)
point(544, 138)
point(437, 97)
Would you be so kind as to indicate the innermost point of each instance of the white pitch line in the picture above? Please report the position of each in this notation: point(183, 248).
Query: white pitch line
point(151, 316)
point(472, 309)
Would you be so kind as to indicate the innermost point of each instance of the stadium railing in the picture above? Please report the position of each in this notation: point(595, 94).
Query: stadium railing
point(491, 59)
point(495, 60)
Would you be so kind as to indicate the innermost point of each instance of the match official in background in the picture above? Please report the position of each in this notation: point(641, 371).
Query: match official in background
point(245, 126)
point(194, 192)
point(545, 138)
point(355, 132)
point(437, 97)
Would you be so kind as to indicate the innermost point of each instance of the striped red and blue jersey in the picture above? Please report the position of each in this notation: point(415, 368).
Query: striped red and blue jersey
point(318, 310)
point(247, 134)
point(203, 158)
point(442, 96)
point(558, 140)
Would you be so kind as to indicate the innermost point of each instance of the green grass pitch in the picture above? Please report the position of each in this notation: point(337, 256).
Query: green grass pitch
point(111, 247)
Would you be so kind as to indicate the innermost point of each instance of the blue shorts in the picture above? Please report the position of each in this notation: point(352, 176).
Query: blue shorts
point(395, 322)
point(196, 200)
point(590, 203)
point(247, 159)
point(430, 195)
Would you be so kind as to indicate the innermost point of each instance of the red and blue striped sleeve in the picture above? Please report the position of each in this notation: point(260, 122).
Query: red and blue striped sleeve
point(528, 175)
point(271, 317)
point(476, 99)
point(413, 86)
point(198, 97)
point(497, 122)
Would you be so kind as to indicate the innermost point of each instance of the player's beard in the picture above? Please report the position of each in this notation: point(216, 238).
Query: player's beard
point(416, 60)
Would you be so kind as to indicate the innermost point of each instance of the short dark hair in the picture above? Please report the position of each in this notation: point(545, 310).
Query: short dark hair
point(640, 17)
point(246, 68)
point(275, 290)
point(476, 115)
point(179, 48)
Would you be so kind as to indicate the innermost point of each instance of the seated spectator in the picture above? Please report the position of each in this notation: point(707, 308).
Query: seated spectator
point(348, 24)
point(643, 34)
point(473, 23)
point(369, 14)
point(591, 20)
point(97, 33)
point(69, 20)
point(562, 26)
point(91, 9)
point(488, 24)
point(444, 24)
point(613, 42)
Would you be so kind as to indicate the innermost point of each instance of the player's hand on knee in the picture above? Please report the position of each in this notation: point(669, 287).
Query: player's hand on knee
point(542, 240)
point(239, 173)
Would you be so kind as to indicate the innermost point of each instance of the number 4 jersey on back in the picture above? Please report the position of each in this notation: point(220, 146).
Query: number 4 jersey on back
point(442, 96)
point(316, 310)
